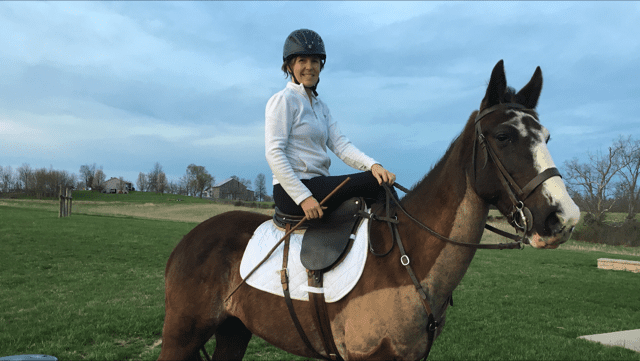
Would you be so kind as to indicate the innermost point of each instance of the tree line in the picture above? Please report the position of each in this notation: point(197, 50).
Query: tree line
point(36, 182)
point(45, 183)
point(607, 181)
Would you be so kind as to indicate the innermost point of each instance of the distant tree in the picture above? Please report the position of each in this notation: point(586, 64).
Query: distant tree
point(8, 179)
point(629, 174)
point(120, 185)
point(98, 180)
point(142, 182)
point(41, 182)
point(153, 177)
point(86, 173)
point(260, 186)
point(199, 178)
point(172, 188)
point(594, 180)
point(49, 181)
point(184, 185)
point(162, 183)
point(189, 181)
point(26, 178)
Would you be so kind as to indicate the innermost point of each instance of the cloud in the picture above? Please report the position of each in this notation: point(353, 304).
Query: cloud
point(131, 83)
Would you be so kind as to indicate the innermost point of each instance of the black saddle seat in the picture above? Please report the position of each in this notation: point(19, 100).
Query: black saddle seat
point(326, 238)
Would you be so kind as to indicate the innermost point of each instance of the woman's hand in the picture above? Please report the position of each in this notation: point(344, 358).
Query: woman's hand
point(312, 208)
point(383, 175)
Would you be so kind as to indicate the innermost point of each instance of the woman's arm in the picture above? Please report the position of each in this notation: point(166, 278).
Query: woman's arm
point(352, 156)
point(279, 117)
point(342, 147)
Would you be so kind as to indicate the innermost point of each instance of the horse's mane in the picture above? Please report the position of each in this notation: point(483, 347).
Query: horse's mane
point(439, 165)
point(508, 96)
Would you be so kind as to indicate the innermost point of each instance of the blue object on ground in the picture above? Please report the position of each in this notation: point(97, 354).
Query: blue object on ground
point(29, 358)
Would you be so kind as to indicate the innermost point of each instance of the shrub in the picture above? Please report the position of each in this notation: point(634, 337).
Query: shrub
point(623, 234)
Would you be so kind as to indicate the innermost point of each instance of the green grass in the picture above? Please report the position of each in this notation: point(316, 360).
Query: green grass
point(533, 304)
point(91, 287)
point(84, 287)
point(138, 205)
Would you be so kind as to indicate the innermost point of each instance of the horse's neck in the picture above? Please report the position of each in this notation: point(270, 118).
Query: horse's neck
point(452, 261)
point(449, 205)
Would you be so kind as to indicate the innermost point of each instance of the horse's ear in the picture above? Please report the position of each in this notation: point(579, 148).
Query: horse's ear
point(529, 94)
point(496, 88)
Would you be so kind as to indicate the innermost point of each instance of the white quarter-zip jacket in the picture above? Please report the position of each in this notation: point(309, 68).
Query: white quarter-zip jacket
point(297, 135)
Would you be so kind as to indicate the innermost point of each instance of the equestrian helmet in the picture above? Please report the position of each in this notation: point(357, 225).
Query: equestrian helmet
point(303, 42)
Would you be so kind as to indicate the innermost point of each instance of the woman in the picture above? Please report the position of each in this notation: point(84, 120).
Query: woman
point(299, 128)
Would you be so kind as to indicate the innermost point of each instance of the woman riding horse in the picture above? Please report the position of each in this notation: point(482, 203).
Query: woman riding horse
point(299, 128)
point(398, 308)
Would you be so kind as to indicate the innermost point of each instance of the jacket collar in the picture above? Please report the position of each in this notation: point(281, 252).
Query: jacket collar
point(299, 88)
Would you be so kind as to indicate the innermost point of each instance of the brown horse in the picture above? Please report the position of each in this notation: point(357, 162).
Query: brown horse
point(382, 317)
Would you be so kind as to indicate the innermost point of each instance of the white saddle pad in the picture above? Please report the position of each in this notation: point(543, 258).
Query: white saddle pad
point(337, 282)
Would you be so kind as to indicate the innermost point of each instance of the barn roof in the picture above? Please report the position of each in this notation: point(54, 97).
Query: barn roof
point(219, 184)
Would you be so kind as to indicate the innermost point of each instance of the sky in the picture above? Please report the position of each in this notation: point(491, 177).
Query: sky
point(127, 84)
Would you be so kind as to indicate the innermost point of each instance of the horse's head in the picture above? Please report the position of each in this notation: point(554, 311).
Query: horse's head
point(513, 168)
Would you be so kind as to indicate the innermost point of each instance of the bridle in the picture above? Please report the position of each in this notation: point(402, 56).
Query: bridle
point(520, 216)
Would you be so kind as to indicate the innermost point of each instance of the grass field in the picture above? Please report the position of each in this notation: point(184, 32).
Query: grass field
point(91, 287)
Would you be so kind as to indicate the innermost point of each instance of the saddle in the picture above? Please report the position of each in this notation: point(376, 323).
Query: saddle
point(326, 239)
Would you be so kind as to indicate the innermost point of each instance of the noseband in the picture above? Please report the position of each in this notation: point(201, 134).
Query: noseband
point(520, 217)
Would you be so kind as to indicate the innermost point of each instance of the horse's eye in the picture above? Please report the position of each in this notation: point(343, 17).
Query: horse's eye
point(502, 137)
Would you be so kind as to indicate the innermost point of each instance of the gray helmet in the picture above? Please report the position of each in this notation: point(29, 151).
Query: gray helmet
point(303, 42)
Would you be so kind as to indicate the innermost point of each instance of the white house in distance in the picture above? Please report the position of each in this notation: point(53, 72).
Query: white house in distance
point(115, 185)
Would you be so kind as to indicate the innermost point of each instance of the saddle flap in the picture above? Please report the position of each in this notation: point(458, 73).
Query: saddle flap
point(326, 239)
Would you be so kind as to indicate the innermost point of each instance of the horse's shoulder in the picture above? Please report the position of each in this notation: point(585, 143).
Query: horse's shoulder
point(221, 235)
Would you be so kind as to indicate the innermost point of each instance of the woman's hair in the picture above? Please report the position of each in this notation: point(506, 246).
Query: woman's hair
point(289, 64)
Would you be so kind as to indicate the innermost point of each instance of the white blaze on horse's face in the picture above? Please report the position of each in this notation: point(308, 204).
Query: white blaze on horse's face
point(553, 189)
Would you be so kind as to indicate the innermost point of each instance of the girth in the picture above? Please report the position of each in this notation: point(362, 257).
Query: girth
point(323, 244)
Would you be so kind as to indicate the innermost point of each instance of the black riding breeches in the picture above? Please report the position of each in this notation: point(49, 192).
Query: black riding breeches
point(361, 185)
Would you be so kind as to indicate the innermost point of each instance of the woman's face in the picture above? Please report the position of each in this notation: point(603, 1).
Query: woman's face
point(307, 70)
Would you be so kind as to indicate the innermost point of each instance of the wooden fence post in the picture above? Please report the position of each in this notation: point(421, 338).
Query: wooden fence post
point(69, 198)
point(65, 203)
point(61, 212)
